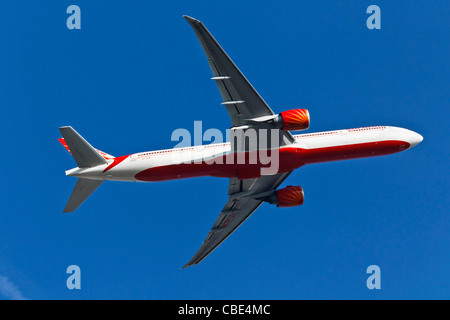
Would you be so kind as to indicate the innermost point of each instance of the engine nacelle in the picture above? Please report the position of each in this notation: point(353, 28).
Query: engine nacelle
point(290, 196)
point(296, 119)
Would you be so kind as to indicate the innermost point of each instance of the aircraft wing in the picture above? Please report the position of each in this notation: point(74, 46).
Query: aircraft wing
point(237, 209)
point(242, 101)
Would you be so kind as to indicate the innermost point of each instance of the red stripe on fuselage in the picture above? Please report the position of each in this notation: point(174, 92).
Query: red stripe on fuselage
point(353, 151)
point(115, 162)
point(290, 158)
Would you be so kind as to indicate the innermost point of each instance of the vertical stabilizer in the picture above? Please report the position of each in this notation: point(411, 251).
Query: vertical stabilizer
point(84, 154)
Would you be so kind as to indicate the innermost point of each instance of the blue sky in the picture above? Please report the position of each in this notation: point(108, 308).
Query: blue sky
point(135, 72)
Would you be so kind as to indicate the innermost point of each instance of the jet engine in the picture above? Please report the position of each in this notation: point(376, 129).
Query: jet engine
point(290, 196)
point(296, 119)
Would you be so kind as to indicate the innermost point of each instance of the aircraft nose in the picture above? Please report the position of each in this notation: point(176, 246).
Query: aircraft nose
point(414, 139)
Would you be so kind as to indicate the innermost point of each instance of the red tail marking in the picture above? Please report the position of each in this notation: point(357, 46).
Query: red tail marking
point(63, 142)
point(115, 162)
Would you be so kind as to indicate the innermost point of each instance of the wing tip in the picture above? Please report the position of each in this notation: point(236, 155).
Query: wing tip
point(190, 19)
point(187, 265)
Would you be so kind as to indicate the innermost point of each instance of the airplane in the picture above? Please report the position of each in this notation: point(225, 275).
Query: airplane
point(249, 186)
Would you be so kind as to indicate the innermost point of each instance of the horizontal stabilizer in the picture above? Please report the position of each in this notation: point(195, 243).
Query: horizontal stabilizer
point(84, 154)
point(83, 189)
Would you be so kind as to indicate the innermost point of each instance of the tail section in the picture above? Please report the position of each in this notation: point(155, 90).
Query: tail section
point(84, 154)
point(86, 157)
point(83, 189)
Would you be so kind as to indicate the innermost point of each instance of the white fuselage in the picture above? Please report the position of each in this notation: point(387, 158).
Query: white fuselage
point(308, 148)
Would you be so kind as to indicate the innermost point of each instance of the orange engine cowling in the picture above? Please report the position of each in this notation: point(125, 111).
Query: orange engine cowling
point(290, 196)
point(296, 119)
